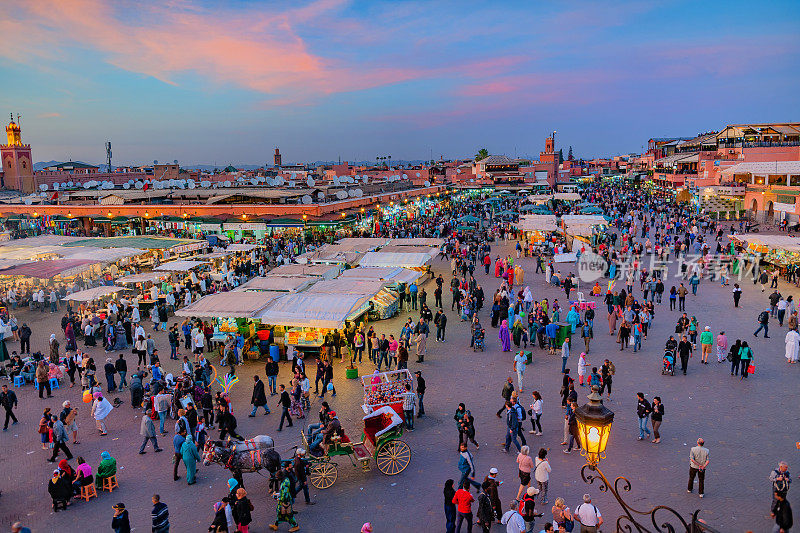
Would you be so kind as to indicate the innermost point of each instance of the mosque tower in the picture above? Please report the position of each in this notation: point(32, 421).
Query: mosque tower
point(17, 161)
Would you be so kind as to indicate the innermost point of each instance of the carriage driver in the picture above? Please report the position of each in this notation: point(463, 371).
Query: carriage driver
point(324, 438)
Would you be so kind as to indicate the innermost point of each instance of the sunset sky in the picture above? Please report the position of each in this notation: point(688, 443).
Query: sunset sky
point(227, 82)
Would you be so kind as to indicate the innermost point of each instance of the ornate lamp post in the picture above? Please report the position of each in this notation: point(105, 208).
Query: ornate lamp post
point(594, 430)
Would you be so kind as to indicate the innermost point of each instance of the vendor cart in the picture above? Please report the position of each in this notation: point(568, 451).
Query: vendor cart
point(380, 440)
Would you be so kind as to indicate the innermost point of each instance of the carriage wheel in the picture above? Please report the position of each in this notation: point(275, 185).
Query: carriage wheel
point(393, 457)
point(323, 474)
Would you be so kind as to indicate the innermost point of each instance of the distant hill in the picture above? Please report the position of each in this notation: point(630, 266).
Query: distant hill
point(210, 168)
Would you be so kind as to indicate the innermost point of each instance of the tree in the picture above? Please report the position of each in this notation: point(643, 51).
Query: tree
point(560, 155)
point(483, 153)
point(569, 154)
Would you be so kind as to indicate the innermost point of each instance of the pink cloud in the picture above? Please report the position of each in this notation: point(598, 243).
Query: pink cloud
point(258, 50)
point(48, 115)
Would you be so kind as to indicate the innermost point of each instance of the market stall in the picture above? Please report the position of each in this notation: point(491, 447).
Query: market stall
point(414, 260)
point(180, 266)
point(278, 283)
point(385, 389)
point(394, 275)
point(95, 293)
point(319, 270)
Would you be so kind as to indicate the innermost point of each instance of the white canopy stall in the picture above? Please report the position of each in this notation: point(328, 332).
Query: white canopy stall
point(278, 283)
point(314, 310)
point(180, 266)
point(95, 293)
point(537, 223)
point(232, 304)
point(414, 260)
point(394, 275)
point(320, 271)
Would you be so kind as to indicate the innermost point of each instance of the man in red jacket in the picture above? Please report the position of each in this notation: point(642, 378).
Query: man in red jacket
point(463, 500)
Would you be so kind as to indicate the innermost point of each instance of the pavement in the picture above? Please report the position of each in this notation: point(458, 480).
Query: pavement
point(748, 427)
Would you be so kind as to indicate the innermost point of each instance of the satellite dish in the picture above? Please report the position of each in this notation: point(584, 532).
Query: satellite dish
point(341, 195)
point(28, 201)
point(366, 178)
point(191, 185)
point(227, 183)
point(43, 187)
point(427, 183)
point(310, 182)
point(291, 183)
point(405, 176)
point(306, 199)
point(336, 180)
point(321, 195)
point(55, 186)
point(125, 186)
point(458, 171)
point(43, 194)
point(351, 193)
point(418, 174)
point(254, 181)
point(205, 184)
point(139, 185)
point(70, 184)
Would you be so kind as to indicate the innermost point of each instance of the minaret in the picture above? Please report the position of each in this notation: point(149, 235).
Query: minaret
point(17, 161)
point(277, 157)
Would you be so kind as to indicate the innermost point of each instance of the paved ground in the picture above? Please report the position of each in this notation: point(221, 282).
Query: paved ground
point(748, 427)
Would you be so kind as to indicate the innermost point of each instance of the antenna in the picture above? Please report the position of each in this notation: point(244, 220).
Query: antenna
point(108, 155)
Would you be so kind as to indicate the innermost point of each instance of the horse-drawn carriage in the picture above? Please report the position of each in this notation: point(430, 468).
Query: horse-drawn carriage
point(380, 440)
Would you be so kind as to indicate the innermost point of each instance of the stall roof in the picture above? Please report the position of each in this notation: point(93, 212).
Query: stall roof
point(364, 287)
point(43, 240)
point(331, 253)
point(322, 271)
point(232, 304)
point(363, 244)
point(143, 277)
point(416, 241)
point(148, 243)
point(537, 223)
point(411, 249)
point(95, 293)
point(278, 283)
point(50, 268)
point(782, 242)
point(241, 247)
point(179, 266)
point(393, 274)
point(106, 255)
point(408, 260)
point(312, 309)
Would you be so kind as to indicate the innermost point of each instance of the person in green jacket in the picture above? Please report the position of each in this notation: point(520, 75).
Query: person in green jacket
point(745, 358)
point(706, 341)
point(106, 468)
point(190, 458)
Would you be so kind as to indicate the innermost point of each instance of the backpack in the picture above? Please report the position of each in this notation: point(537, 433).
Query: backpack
point(520, 412)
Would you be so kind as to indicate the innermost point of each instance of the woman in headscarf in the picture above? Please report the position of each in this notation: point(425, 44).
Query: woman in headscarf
point(190, 458)
point(101, 408)
point(69, 333)
point(527, 299)
point(53, 349)
point(106, 468)
point(573, 318)
point(60, 489)
point(516, 331)
point(504, 337)
point(285, 512)
point(422, 346)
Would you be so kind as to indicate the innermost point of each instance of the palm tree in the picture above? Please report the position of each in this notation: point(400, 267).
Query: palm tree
point(483, 153)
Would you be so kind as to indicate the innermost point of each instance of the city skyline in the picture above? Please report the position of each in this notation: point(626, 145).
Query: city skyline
point(205, 82)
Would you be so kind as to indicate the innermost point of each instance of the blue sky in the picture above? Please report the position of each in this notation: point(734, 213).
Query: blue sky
point(227, 82)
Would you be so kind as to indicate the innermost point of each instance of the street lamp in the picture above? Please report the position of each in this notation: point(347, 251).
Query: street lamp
point(594, 430)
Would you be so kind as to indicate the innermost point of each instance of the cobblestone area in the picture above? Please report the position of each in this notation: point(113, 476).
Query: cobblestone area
point(748, 426)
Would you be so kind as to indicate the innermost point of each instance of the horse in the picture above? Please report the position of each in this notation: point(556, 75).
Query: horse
point(251, 455)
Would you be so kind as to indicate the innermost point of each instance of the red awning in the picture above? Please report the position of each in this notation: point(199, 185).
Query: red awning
point(48, 269)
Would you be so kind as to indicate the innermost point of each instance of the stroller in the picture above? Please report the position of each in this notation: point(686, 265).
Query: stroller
point(669, 363)
point(477, 340)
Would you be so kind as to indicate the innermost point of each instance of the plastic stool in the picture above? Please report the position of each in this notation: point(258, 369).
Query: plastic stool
point(54, 384)
point(19, 381)
point(110, 483)
point(88, 491)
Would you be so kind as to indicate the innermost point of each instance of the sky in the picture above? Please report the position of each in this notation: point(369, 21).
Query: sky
point(206, 82)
